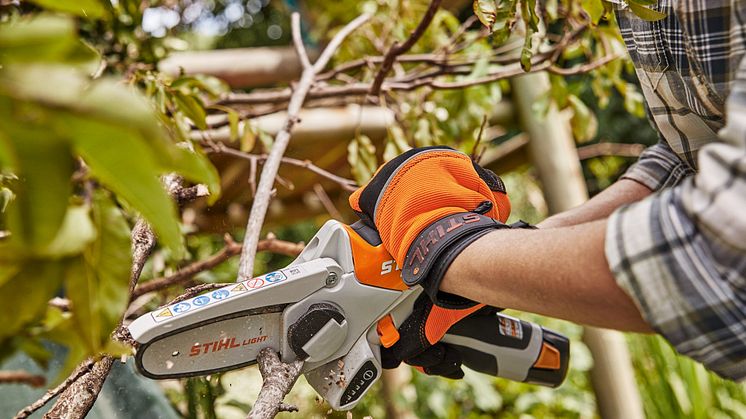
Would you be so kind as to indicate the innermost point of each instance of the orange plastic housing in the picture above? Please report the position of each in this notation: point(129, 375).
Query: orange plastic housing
point(373, 264)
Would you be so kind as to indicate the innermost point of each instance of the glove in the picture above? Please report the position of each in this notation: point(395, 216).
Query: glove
point(420, 334)
point(428, 205)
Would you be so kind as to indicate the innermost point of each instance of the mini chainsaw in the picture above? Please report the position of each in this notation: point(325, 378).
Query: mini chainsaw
point(334, 307)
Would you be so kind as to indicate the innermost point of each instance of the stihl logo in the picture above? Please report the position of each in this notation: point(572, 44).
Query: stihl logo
point(222, 344)
point(436, 233)
point(389, 266)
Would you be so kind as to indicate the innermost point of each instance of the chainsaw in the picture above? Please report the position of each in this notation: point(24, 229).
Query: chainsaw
point(333, 307)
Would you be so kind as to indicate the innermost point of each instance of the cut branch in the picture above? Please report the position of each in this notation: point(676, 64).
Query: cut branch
point(269, 171)
point(399, 49)
point(278, 380)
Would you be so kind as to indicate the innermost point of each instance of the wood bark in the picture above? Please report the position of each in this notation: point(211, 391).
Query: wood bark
point(279, 378)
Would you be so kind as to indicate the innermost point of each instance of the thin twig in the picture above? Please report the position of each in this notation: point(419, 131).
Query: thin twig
point(540, 62)
point(269, 171)
point(22, 377)
point(399, 49)
point(583, 68)
point(327, 202)
point(218, 147)
point(298, 41)
point(474, 151)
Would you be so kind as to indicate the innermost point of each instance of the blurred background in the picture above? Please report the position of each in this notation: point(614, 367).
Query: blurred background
point(202, 68)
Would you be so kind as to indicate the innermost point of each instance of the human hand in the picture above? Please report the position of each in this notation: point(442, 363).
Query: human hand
point(428, 205)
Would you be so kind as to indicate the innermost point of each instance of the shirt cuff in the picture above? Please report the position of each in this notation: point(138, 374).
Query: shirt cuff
point(666, 266)
point(658, 167)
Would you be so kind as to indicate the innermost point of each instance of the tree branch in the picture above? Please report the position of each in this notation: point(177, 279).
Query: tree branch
point(269, 171)
point(610, 149)
point(82, 369)
point(230, 249)
point(300, 50)
point(399, 49)
point(77, 400)
point(22, 377)
point(278, 380)
point(218, 147)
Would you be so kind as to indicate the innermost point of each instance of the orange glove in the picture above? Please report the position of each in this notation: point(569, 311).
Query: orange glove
point(428, 205)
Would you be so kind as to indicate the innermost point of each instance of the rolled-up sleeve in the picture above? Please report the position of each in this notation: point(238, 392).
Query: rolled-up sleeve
point(681, 253)
point(658, 167)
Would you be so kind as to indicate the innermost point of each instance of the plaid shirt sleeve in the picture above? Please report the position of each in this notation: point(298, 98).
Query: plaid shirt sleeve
point(658, 167)
point(681, 253)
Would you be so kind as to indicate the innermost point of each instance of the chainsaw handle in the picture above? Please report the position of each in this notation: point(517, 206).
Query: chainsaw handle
point(499, 345)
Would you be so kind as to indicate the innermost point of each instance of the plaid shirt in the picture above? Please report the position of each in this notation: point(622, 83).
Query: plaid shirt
point(681, 253)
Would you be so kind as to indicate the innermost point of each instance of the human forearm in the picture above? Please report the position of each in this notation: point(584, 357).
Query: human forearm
point(558, 272)
point(600, 206)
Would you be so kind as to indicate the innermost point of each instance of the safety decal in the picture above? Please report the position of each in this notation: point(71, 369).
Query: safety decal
point(255, 283)
point(220, 294)
point(201, 300)
point(239, 288)
point(181, 308)
point(275, 277)
point(163, 313)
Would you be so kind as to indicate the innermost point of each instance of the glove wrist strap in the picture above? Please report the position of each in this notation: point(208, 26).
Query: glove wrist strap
point(432, 252)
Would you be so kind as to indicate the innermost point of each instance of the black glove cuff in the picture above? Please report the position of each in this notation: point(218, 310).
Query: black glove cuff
point(437, 246)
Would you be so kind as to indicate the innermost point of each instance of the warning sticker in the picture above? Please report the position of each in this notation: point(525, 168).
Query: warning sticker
point(181, 308)
point(221, 293)
point(255, 283)
point(164, 313)
point(510, 327)
point(275, 277)
point(239, 288)
point(201, 300)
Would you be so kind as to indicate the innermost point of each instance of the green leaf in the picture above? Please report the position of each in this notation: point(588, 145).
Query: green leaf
point(361, 154)
point(97, 284)
point(248, 139)
point(486, 12)
point(583, 122)
point(76, 232)
point(595, 9)
point(192, 108)
point(44, 165)
point(122, 161)
point(233, 119)
point(645, 13)
point(24, 296)
point(84, 8)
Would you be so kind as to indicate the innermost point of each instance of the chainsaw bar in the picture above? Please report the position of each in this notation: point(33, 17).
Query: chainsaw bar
point(211, 346)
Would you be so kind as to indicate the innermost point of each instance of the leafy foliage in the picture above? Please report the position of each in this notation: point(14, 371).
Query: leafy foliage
point(80, 157)
point(74, 150)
